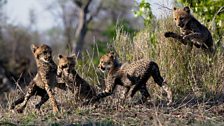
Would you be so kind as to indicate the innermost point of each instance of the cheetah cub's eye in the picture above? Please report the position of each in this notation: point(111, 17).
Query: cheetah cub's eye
point(175, 18)
point(45, 52)
point(181, 18)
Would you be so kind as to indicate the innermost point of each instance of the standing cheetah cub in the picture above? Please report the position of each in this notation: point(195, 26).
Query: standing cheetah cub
point(67, 73)
point(192, 31)
point(136, 73)
point(44, 80)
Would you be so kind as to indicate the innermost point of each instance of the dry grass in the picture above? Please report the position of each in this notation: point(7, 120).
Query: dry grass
point(195, 78)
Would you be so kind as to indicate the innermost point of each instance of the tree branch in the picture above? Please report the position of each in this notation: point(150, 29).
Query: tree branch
point(163, 6)
point(87, 6)
point(96, 12)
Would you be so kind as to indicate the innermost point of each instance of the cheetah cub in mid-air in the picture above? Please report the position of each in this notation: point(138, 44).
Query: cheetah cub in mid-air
point(136, 73)
point(44, 80)
point(68, 75)
point(192, 31)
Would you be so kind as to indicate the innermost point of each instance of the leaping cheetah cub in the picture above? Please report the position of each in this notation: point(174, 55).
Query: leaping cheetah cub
point(192, 31)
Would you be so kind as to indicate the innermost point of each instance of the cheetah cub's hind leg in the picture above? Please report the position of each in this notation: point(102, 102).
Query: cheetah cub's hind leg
point(24, 100)
point(44, 97)
point(152, 70)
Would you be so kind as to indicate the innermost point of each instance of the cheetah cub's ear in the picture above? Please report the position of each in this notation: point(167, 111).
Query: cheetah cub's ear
point(73, 56)
point(33, 48)
point(174, 8)
point(187, 9)
point(111, 54)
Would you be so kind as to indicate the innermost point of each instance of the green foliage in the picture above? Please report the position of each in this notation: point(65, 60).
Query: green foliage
point(144, 10)
point(28, 119)
point(110, 32)
point(7, 123)
point(82, 111)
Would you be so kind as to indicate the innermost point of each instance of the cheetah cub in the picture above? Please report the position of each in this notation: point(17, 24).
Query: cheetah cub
point(192, 31)
point(44, 80)
point(134, 74)
point(67, 73)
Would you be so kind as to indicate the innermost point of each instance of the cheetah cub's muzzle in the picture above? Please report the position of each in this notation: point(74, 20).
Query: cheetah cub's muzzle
point(106, 63)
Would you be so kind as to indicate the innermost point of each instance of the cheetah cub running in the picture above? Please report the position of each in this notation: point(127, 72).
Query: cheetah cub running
point(192, 31)
point(67, 73)
point(44, 80)
point(136, 73)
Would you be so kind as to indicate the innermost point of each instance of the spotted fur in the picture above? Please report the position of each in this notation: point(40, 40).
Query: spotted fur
point(43, 82)
point(192, 31)
point(134, 74)
point(67, 73)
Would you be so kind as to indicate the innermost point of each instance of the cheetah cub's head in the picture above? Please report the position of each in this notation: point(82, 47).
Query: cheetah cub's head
point(66, 64)
point(181, 16)
point(42, 53)
point(107, 61)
